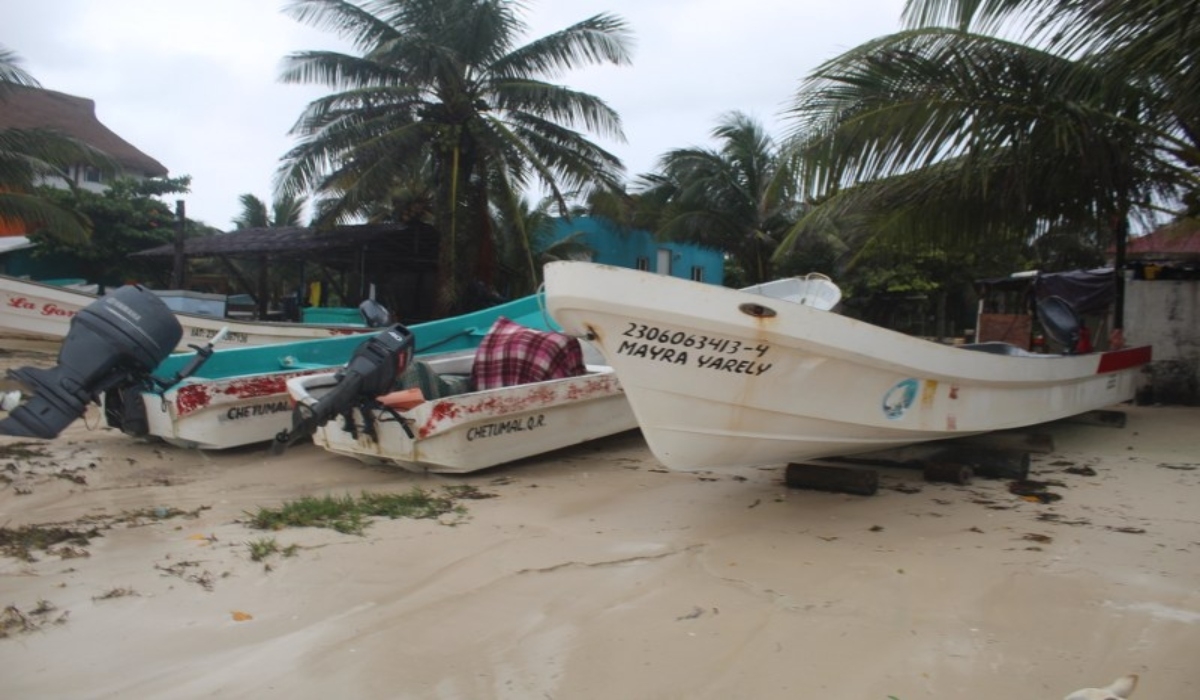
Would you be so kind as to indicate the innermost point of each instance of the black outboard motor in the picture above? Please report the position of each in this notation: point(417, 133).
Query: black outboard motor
point(374, 314)
point(370, 373)
point(124, 407)
point(116, 340)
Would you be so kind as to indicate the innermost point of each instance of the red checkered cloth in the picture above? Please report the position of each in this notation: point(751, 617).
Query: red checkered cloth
point(512, 354)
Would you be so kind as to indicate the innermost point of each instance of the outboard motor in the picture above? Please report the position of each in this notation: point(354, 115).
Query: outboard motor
point(114, 341)
point(374, 314)
point(124, 407)
point(1061, 322)
point(370, 373)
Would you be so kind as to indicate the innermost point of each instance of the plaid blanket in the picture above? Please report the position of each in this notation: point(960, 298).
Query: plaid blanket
point(512, 354)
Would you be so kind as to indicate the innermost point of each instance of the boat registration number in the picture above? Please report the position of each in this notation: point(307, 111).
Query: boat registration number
point(230, 337)
point(683, 339)
point(693, 349)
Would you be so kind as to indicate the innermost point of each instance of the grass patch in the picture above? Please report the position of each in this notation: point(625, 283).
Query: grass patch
point(22, 542)
point(349, 515)
point(264, 547)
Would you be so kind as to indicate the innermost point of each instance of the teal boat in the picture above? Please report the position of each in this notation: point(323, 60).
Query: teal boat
point(239, 396)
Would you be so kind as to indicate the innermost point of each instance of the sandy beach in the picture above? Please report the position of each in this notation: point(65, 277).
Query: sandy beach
point(596, 573)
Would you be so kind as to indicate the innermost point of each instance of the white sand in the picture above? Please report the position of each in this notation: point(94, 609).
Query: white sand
point(595, 573)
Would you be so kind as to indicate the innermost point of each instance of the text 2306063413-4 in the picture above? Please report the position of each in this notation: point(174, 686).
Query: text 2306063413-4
point(683, 348)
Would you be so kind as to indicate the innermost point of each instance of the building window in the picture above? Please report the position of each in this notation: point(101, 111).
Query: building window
point(697, 273)
point(91, 174)
point(643, 263)
point(664, 261)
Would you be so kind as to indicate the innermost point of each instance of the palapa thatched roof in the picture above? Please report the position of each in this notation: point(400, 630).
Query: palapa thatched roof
point(402, 245)
point(34, 108)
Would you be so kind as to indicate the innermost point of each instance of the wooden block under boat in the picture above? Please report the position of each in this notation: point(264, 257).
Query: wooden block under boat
point(821, 477)
point(950, 472)
point(986, 462)
point(1106, 419)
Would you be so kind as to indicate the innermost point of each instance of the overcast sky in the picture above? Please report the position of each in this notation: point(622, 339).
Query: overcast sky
point(195, 84)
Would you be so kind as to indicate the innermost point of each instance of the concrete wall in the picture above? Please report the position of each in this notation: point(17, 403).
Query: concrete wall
point(1166, 315)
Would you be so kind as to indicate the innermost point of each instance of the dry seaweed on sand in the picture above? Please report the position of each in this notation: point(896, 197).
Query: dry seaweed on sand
point(22, 542)
point(14, 621)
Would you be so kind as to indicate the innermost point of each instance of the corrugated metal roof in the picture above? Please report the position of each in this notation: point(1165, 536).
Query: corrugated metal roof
point(1176, 240)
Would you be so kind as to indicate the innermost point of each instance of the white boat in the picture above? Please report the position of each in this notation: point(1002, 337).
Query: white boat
point(239, 395)
point(42, 310)
point(458, 429)
point(723, 378)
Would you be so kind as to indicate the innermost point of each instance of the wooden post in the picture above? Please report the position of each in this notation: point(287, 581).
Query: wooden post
point(264, 299)
point(180, 236)
point(1122, 236)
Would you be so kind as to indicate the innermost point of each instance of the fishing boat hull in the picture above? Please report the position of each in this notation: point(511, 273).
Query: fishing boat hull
point(218, 414)
point(239, 396)
point(45, 311)
point(478, 430)
point(721, 378)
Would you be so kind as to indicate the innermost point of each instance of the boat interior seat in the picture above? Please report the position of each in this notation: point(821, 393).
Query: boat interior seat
point(456, 383)
point(997, 347)
point(433, 385)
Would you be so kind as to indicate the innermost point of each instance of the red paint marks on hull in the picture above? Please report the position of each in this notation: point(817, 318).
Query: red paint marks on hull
point(190, 398)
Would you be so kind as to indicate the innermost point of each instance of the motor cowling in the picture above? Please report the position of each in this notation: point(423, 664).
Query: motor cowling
point(374, 314)
point(115, 341)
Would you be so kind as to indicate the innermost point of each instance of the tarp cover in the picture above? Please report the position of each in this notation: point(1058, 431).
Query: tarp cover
point(1087, 291)
point(512, 354)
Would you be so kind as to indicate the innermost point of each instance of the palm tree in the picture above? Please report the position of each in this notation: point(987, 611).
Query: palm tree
point(739, 198)
point(270, 279)
point(286, 210)
point(28, 157)
point(953, 131)
point(526, 241)
point(441, 86)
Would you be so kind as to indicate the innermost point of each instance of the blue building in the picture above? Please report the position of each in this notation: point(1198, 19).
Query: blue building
point(637, 249)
